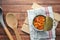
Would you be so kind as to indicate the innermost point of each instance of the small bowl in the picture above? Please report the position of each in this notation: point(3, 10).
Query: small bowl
point(34, 20)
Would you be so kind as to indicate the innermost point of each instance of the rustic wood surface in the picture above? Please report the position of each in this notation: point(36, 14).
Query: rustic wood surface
point(20, 7)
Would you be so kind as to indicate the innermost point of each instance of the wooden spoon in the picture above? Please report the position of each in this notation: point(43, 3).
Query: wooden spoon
point(12, 23)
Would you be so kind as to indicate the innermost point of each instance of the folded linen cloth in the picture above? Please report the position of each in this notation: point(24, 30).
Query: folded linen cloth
point(41, 35)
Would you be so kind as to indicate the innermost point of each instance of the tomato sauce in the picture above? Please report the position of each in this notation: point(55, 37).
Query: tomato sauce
point(39, 21)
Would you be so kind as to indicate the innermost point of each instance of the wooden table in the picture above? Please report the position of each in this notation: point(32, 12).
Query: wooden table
point(21, 7)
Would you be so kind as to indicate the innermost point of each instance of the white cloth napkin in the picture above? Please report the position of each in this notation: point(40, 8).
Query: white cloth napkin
point(41, 35)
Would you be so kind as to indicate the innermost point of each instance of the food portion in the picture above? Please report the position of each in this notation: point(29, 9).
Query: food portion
point(39, 22)
point(48, 24)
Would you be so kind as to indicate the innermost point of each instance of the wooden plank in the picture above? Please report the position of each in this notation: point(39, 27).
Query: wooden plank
point(4, 37)
point(24, 8)
point(58, 26)
point(29, 2)
point(57, 31)
point(57, 37)
point(16, 8)
point(24, 37)
point(0, 2)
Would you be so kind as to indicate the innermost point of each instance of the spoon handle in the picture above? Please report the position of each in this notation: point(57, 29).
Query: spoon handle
point(8, 33)
point(17, 34)
point(6, 30)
